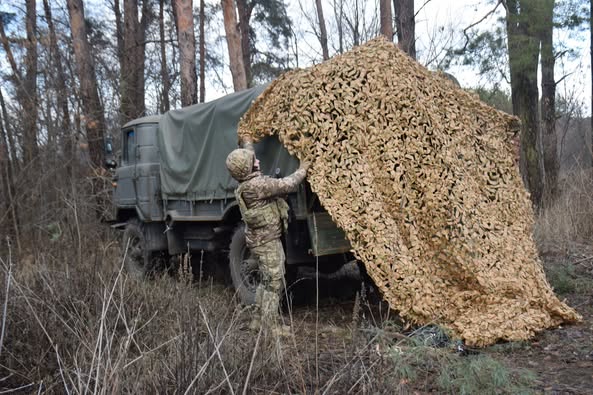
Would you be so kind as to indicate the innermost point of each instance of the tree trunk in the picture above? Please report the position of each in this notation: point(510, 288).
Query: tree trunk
point(10, 57)
point(26, 86)
point(30, 85)
point(165, 104)
point(12, 147)
point(8, 162)
point(355, 24)
point(548, 101)
point(202, 52)
point(46, 107)
point(591, 49)
point(5, 175)
point(245, 8)
point(5, 154)
point(65, 139)
point(322, 30)
point(145, 21)
point(406, 26)
point(386, 19)
point(234, 45)
point(339, 12)
point(523, 46)
point(92, 108)
point(184, 20)
point(132, 66)
point(119, 31)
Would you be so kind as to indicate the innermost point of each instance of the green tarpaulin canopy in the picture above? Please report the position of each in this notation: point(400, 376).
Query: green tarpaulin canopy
point(194, 142)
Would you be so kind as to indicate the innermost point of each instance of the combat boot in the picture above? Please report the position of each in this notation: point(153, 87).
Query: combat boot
point(255, 324)
point(256, 310)
point(281, 331)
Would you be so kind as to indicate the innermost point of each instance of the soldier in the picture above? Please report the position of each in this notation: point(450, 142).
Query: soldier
point(265, 214)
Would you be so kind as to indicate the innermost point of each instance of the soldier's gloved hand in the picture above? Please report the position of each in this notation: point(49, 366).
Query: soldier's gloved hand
point(305, 165)
point(247, 144)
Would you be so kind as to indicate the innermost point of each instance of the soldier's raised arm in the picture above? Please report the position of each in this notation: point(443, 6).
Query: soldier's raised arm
point(247, 144)
point(272, 187)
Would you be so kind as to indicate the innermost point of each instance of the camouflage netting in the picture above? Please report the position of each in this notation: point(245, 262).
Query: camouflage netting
point(421, 177)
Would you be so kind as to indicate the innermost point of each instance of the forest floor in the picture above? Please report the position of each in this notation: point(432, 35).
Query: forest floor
point(562, 358)
point(75, 322)
point(555, 361)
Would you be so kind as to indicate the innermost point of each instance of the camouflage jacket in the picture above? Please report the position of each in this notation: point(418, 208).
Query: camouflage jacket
point(263, 208)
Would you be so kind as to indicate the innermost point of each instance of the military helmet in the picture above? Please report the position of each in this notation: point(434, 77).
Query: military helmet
point(240, 163)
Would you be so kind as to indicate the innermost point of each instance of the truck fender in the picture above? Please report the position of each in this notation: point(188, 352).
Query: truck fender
point(125, 214)
point(231, 214)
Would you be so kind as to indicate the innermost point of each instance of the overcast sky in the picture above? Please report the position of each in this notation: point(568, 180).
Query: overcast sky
point(461, 13)
point(439, 24)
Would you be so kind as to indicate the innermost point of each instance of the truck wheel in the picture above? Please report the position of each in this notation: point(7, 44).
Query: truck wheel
point(138, 262)
point(243, 266)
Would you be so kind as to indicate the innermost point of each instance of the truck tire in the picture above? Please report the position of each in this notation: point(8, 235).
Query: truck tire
point(244, 269)
point(138, 261)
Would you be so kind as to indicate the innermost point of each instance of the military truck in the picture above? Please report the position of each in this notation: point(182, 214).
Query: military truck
point(173, 195)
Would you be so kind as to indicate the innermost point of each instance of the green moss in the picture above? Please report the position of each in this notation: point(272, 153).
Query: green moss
point(482, 374)
point(452, 373)
point(562, 279)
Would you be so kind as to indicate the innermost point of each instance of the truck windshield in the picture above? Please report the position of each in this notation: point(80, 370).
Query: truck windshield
point(129, 144)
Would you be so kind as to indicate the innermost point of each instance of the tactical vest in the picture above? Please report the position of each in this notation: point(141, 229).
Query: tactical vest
point(268, 214)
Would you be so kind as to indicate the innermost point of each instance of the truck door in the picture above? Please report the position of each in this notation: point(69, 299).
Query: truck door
point(125, 194)
point(147, 171)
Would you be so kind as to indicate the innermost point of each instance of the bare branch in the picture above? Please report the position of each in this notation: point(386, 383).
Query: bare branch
point(565, 76)
point(421, 8)
point(465, 31)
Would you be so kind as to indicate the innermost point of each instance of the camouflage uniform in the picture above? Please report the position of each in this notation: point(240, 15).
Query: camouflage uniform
point(265, 214)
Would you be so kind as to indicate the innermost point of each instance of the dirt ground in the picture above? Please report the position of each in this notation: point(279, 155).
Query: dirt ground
point(560, 359)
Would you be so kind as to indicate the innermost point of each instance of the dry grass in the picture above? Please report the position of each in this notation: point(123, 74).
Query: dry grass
point(80, 328)
point(73, 322)
point(87, 328)
point(564, 235)
point(566, 225)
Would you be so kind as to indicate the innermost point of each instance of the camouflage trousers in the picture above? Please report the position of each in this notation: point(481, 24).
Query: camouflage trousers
point(270, 258)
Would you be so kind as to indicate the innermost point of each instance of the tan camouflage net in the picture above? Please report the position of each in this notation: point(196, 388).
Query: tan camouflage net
point(421, 177)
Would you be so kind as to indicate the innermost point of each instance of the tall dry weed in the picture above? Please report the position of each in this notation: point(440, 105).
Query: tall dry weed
point(566, 225)
point(74, 322)
point(86, 327)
